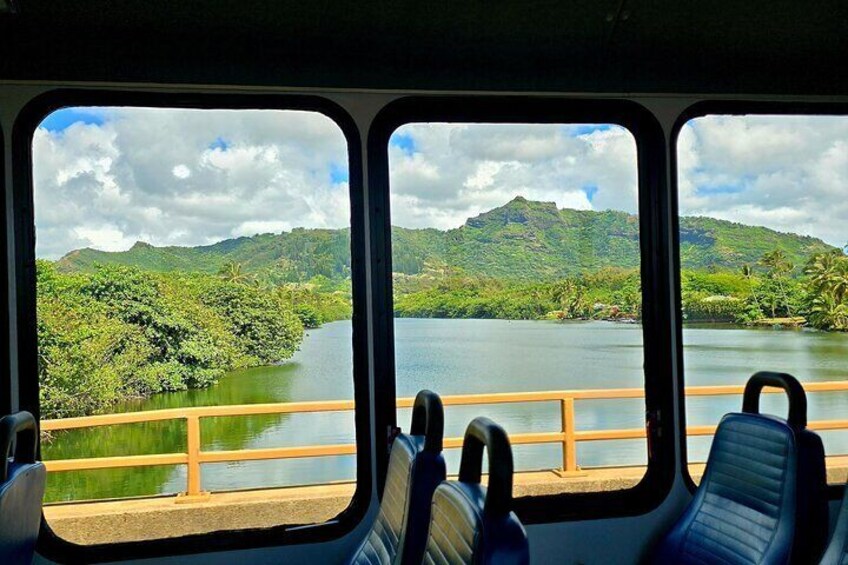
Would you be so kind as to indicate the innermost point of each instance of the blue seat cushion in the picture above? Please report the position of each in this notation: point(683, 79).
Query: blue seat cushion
point(20, 512)
point(744, 510)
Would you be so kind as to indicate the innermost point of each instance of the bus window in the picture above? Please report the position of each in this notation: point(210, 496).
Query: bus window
point(517, 292)
point(764, 274)
point(193, 290)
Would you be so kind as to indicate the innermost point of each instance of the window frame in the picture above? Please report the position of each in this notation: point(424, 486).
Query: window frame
point(727, 108)
point(6, 391)
point(654, 212)
point(50, 544)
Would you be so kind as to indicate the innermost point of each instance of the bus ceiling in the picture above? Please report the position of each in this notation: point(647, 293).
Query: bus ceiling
point(609, 46)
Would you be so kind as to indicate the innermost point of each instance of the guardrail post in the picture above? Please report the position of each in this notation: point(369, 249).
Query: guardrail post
point(569, 443)
point(193, 492)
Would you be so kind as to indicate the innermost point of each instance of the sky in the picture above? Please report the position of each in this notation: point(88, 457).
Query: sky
point(788, 173)
point(108, 177)
point(442, 174)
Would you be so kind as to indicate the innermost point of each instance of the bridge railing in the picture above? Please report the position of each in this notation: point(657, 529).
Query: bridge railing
point(567, 436)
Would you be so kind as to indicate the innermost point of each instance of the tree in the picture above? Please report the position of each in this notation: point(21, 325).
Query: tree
point(754, 310)
point(828, 290)
point(779, 268)
point(232, 271)
point(121, 332)
point(266, 329)
point(569, 295)
point(826, 313)
point(828, 273)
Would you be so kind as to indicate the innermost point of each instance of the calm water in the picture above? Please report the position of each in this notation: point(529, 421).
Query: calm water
point(450, 357)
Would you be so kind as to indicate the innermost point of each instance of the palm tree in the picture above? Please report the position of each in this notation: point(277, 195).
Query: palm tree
point(829, 314)
point(828, 275)
point(568, 294)
point(777, 262)
point(748, 275)
point(232, 272)
point(779, 268)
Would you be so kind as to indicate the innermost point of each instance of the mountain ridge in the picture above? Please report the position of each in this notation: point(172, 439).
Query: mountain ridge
point(523, 239)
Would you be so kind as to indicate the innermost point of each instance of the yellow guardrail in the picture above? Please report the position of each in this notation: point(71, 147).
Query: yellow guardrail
point(567, 436)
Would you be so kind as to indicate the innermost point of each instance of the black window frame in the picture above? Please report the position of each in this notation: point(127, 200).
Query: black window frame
point(725, 108)
point(5, 351)
point(658, 311)
point(51, 545)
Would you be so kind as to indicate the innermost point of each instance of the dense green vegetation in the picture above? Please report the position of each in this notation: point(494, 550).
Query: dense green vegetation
point(609, 293)
point(113, 326)
point(119, 332)
point(771, 291)
point(774, 289)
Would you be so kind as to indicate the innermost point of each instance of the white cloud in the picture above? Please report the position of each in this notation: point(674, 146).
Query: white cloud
point(106, 237)
point(443, 174)
point(253, 227)
point(788, 173)
point(191, 177)
point(185, 177)
point(181, 172)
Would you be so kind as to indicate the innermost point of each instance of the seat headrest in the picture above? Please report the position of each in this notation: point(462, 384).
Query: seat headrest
point(428, 420)
point(21, 426)
point(483, 432)
point(797, 418)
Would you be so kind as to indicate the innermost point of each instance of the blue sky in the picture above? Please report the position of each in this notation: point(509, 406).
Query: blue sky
point(63, 118)
point(729, 188)
point(404, 142)
point(787, 173)
point(583, 129)
point(60, 120)
point(220, 143)
point(444, 173)
point(339, 173)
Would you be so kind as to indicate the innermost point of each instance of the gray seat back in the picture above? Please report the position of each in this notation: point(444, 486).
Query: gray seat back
point(416, 467)
point(471, 523)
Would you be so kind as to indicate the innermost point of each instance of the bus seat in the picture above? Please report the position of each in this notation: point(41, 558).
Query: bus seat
point(471, 523)
point(763, 491)
point(416, 467)
point(837, 549)
point(21, 490)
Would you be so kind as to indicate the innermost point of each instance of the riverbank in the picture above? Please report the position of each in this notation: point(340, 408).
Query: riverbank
point(793, 322)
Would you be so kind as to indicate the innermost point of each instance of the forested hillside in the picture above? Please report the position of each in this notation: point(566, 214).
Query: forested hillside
point(522, 240)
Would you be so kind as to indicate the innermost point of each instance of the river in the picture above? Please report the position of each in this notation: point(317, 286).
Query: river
point(449, 357)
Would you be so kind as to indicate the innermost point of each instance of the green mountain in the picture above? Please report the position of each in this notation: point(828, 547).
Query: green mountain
point(521, 240)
